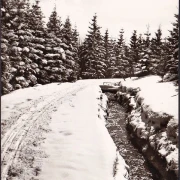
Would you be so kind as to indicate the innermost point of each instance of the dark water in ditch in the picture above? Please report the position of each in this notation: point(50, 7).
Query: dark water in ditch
point(116, 125)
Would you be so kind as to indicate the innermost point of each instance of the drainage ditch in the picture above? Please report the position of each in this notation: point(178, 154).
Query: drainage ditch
point(139, 168)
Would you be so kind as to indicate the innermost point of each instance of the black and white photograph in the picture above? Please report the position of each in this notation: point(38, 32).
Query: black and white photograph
point(89, 89)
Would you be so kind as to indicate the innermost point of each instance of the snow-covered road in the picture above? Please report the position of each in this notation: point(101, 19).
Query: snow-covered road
point(57, 131)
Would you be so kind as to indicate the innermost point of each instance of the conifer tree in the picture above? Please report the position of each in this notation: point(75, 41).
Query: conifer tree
point(67, 39)
point(140, 46)
point(146, 55)
point(121, 59)
point(147, 40)
point(134, 54)
point(138, 65)
point(6, 87)
point(162, 66)
point(82, 53)
point(54, 68)
point(67, 32)
point(108, 55)
point(119, 48)
point(53, 64)
point(128, 64)
point(54, 24)
point(75, 36)
point(156, 48)
point(121, 39)
point(111, 65)
point(93, 61)
point(75, 44)
point(37, 44)
point(172, 64)
point(17, 35)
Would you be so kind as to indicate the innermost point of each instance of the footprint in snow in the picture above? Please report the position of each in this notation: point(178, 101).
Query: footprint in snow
point(72, 105)
point(67, 133)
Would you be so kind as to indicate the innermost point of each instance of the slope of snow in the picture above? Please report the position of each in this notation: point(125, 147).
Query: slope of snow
point(161, 97)
point(57, 131)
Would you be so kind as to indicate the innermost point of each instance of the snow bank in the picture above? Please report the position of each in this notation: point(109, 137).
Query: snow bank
point(154, 115)
point(161, 97)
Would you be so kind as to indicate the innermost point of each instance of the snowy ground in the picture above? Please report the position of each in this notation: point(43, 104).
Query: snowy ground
point(161, 97)
point(57, 131)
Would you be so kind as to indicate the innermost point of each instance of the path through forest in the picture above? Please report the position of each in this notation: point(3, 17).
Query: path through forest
point(58, 131)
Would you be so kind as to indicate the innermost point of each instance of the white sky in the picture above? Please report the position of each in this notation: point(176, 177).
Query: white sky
point(116, 14)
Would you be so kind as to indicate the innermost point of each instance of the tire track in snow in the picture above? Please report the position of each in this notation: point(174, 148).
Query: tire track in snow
point(16, 135)
point(13, 131)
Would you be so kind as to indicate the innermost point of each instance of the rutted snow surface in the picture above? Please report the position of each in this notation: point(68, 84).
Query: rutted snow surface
point(57, 131)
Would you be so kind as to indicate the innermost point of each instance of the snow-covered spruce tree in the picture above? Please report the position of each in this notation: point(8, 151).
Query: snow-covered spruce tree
point(119, 53)
point(29, 49)
point(129, 64)
point(100, 63)
point(109, 46)
point(145, 55)
point(172, 64)
point(54, 63)
point(70, 51)
point(92, 57)
point(17, 35)
point(140, 45)
point(76, 58)
point(111, 66)
point(37, 45)
point(134, 53)
point(54, 24)
point(138, 67)
point(6, 87)
point(122, 64)
point(82, 53)
point(156, 48)
point(162, 66)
